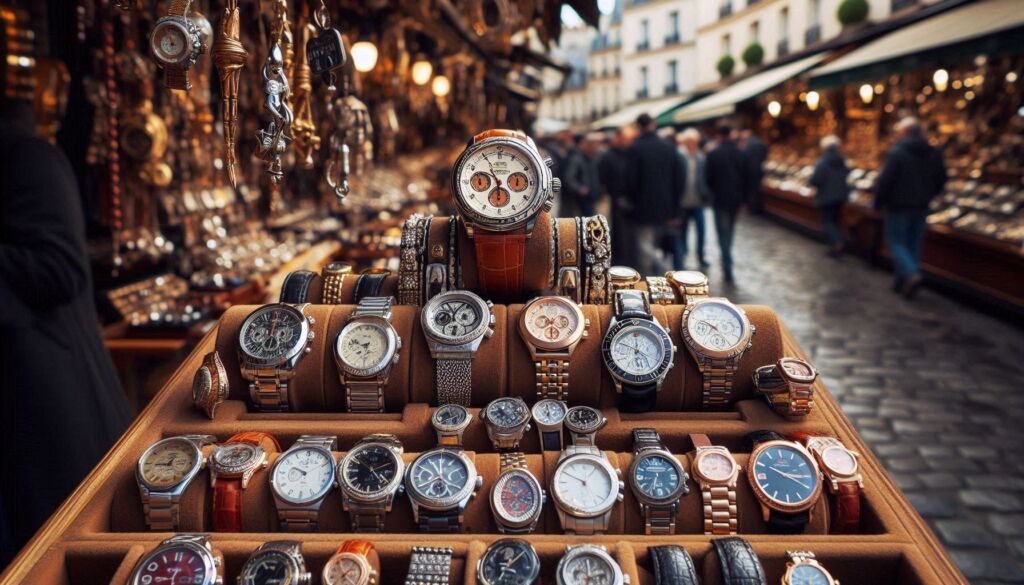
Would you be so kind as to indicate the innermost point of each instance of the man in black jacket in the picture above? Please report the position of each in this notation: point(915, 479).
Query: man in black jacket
point(757, 154)
point(655, 176)
point(612, 168)
point(914, 173)
point(729, 180)
point(581, 183)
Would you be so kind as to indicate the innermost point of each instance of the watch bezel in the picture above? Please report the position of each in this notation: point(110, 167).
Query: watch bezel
point(587, 550)
point(482, 561)
point(823, 461)
point(771, 502)
point(534, 512)
point(209, 561)
point(537, 419)
point(672, 278)
point(294, 568)
point(301, 340)
point(353, 492)
point(575, 511)
point(440, 337)
point(386, 360)
point(616, 372)
point(787, 578)
point(737, 350)
point(620, 274)
point(193, 40)
point(512, 222)
point(364, 566)
point(592, 428)
point(527, 415)
point(196, 466)
point(442, 503)
point(317, 497)
point(681, 489)
point(734, 473)
point(572, 339)
point(790, 377)
point(445, 428)
point(222, 469)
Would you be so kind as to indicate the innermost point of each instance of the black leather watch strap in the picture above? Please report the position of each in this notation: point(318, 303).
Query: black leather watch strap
point(754, 438)
point(638, 398)
point(673, 566)
point(295, 289)
point(368, 285)
point(552, 440)
point(788, 522)
point(739, 562)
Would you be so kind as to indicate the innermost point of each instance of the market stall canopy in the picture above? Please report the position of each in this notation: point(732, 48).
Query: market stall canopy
point(723, 102)
point(916, 44)
point(628, 114)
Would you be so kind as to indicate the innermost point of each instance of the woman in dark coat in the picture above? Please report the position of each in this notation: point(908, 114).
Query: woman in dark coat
point(829, 179)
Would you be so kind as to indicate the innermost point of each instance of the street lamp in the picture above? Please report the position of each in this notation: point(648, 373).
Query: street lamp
point(364, 56)
point(421, 71)
point(441, 86)
point(941, 79)
point(867, 93)
point(813, 99)
point(774, 109)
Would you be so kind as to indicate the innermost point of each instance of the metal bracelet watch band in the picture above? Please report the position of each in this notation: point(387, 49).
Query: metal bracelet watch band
point(332, 279)
point(786, 397)
point(295, 289)
point(553, 377)
point(597, 258)
point(448, 521)
point(268, 389)
point(369, 284)
point(672, 565)
point(305, 520)
point(717, 377)
point(632, 304)
point(161, 508)
point(660, 290)
point(367, 394)
point(429, 566)
point(511, 460)
point(718, 500)
point(739, 562)
point(178, 7)
point(371, 516)
point(454, 381)
point(410, 277)
point(659, 519)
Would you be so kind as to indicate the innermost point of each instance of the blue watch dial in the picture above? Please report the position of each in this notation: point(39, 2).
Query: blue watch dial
point(785, 475)
point(656, 477)
point(808, 575)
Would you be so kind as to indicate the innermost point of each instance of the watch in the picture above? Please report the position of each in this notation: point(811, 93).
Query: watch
point(623, 277)
point(181, 558)
point(552, 327)
point(449, 422)
point(210, 384)
point(549, 418)
point(295, 289)
point(583, 423)
point(588, 564)
point(509, 561)
point(439, 484)
point(369, 283)
point(277, 562)
point(803, 568)
point(176, 43)
point(455, 323)
point(716, 472)
point(332, 280)
point(658, 481)
point(842, 477)
point(517, 498)
point(738, 562)
point(350, 565)
point(506, 420)
point(788, 386)
point(500, 186)
point(370, 476)
point(232, 465)
point(672, 565)
point(164, 472)
point(429, 566)
point(300, 480)
point(366, 350)
point(585, 488)
point(690, 285)
point(272, 340)
point(785, 479)
point(660, 291)
point(637, 352)
point(717, 334)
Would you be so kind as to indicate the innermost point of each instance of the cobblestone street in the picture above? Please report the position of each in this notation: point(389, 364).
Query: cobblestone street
point(933, 386)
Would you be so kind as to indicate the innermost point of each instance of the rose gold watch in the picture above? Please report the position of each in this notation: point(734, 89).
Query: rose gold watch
point(716, 472)
point(788, 385)
point(552, 327)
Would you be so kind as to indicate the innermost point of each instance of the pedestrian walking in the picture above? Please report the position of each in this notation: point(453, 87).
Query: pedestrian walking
point(694, 198)
point(829, 179)
point(914, 173)
point(612, 168)
point(655, 178)
point(581, 183)
point(729, 181)
point(757, 152)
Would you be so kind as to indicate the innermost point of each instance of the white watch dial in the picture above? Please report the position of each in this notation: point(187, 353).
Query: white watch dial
point(589, 570)
point(637, 351)
point(551, 321)
point(584, 484)
point(499, 181)
point(344, 570)
point(455, 318)
point(168, 463)
point(363, 345)
point(715, 326)
point(549, 411)
point(716, 466)
point(303, 474)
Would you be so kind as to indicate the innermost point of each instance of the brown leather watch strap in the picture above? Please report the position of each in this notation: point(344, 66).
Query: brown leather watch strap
point(178, 7)
point(359, 547)
point(227, 505)
point(499, 261)
point(265, 440)
point(500, 132)
point(846, 508)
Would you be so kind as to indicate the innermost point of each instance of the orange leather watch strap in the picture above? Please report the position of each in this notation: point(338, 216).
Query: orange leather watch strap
point(359, 547)
point(500, 132)
point(499, 263)
point(846, 508)
point(227, 505)
point(265, 440)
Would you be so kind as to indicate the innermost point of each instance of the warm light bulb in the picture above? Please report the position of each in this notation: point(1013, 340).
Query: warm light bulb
point(867, 93)
point(421, 72)
point(774, 109)
point(441, 86)
point(813, 99)
point(1011, 77)
point(364, 56)
point(940, 79)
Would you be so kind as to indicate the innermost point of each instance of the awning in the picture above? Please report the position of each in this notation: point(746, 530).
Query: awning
point(723, 102)
point(938, 33)
point(628, 114)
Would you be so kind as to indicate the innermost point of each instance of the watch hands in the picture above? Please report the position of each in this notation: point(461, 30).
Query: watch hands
point(790, 476)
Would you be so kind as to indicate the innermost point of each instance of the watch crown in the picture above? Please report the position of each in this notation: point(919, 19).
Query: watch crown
point(311, 319)
point(528, 427)
point(556, 185)
point(479, 481)
point(549, 162)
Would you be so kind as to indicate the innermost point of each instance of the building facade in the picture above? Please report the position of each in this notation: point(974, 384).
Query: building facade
point(604, 67)
point(659, 44)
point(565, 98)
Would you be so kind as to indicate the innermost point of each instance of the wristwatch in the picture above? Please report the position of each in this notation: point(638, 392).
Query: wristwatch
point(184, 556)
point(509, 561)
point(717, 334)
point(449, 422)
point(785, 479)
point(232, 465)
point(500, 186)
point(517, 498)
point(585, 487)
point(672, 565)
point(279, 562)
point(370, 476)
point(295, 288)
point(506, 420)
point(788, 385)
point(455, 323)
point(366, 350)
point(210, 384)
point(804, 568)
point(429, 566)
point(660, 291)
point(350, 565)
point(439, 483)
point(738, 562)
point(369, 283)
point(623, 277)
point(583, 423)
point(176, 43)
point(332, 279)
point(272, 340)
point(588, 564)
point(164, 472)
point(300, 480)
point(637, 352)
point(842, 476)
point(552, 327)
point(716, 472)
point(549, 418)
point(690, 285)
point(658, 481)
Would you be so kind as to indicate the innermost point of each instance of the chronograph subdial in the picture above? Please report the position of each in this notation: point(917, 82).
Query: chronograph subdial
point(480, 182)
point(499, 198)
point(518, 182)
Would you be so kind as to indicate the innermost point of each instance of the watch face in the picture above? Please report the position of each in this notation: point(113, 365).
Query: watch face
point(785, 475)
point(656, 477)
point(235, 457)
point(498, 181)
point(371, 469)
point(798, 369)
point(269, 568)
point(583, 418)
point(517, 496)
point(716, 466)
point(202, 385)
point(507, 412)
point(588, 569)
point(136, 142)
point(173, 565)
point(303, 475)
point(455, 317)
point(273, 334)
point(450, 416)
point(637, 351)
point(689, 277)
point(716, 326)
point(439, 475)
point(509, 562)
point(623, 273)
point(839, 460)
point(549, 411)
point(170, 42)
point(586, 484)
point(166, 463)
point(552, 322)
point(365, 347)
point(807, 574)
point(345, 569)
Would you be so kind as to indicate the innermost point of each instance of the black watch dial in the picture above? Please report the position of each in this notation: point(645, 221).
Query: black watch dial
point(656, 477)
point(507, 412)
point(271, 568)
point(371, 469)
point(510, 562)
point(583, 417)
point(450, 415)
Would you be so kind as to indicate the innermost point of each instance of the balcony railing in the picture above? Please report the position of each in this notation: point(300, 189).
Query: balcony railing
point(783, 47)
point(813, 34)
point(725, 10)
point(671, 88)
point(643, 46)
point(751, 2)
point(673, 39)
point(642, 93)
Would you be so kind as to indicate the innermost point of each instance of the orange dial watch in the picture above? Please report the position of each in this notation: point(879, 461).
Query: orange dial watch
point(351, 565)
point(232, 466)
point(501, 184)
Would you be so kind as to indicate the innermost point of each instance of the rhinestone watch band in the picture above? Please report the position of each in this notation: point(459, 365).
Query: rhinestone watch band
point(161, 508)
point(660, 290)
point(367, 394)
point(454, 381)
point(370, 516)
point(552, 378)
point(718, 377)
point(332, 281)
point(429, 566)
point(658, 519)
point(410, 281)
point(295, 520)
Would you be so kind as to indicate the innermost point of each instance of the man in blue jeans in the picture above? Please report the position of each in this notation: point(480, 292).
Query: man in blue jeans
point(914, 173)
point(730, 181)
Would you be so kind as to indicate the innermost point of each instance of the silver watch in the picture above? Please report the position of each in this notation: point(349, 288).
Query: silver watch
point(440, 483)
point(582, 564)
point(370, 476)
point(549, 418)
point(583, 423)
point(506, 420)
point(172, 556)
point(272, 340)
point(585, 488)
point(301, 479)
point(455, 323)
point(164, 472)
point(450, 422)
point(280, 558)
point(517, 498)
point(658, 481)
point(429, 566)
point(366, 350)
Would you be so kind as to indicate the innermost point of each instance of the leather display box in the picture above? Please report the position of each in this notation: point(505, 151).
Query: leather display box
point(98, 534)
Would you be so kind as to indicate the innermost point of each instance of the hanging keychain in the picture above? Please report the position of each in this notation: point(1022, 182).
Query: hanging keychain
point(326, 52)
point(272, 141)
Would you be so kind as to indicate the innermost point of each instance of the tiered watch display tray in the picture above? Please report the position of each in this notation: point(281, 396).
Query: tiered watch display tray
point(99, 534)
